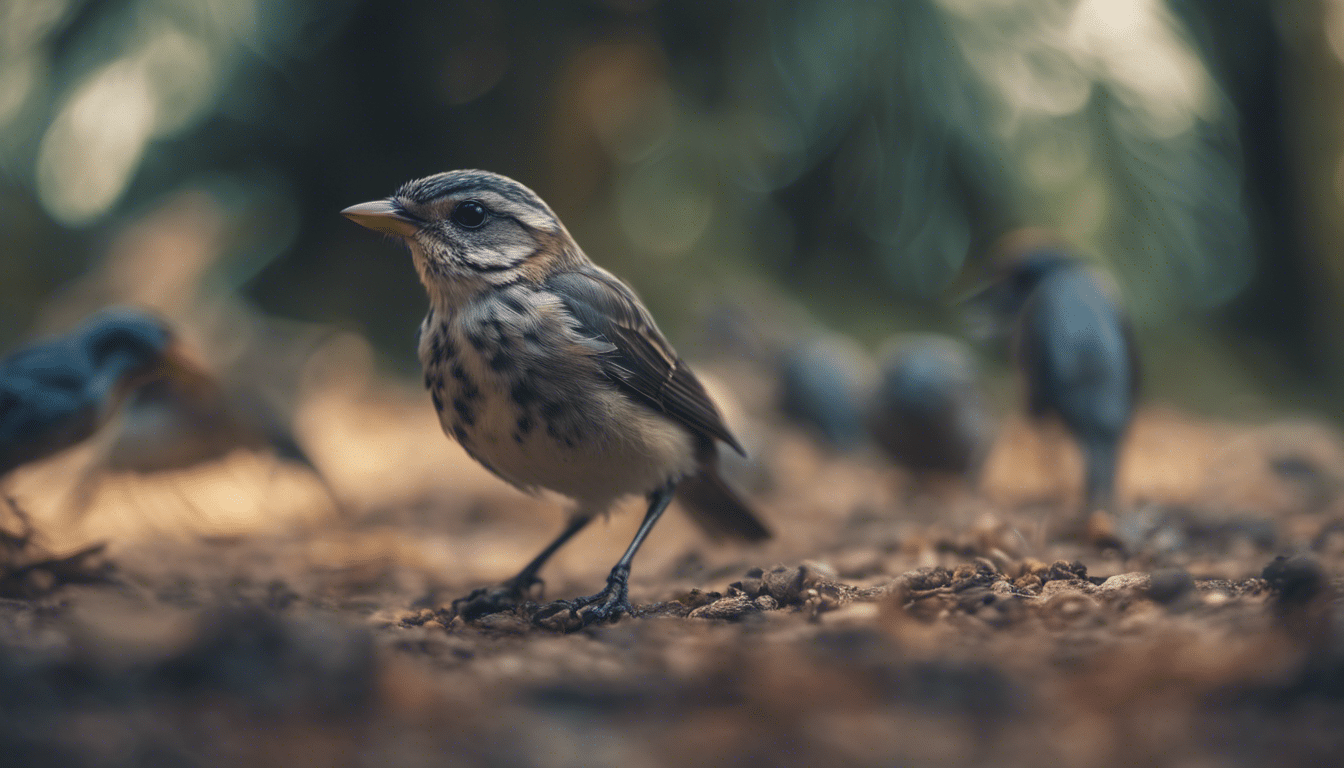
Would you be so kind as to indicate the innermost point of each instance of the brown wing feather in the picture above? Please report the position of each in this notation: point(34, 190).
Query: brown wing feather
point(643, 363)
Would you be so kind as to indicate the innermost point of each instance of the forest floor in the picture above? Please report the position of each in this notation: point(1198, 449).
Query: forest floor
point(237, 617)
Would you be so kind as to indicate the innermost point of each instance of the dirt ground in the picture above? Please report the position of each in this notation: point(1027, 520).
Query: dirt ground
point(237, 615)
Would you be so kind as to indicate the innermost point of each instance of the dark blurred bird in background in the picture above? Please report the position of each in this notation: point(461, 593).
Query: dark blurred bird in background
point(185, 260)
point(1073, 344)
point(817, 378)
point(549, 371)
point(824, 381)
point(57, 393)
point(171, 426)
point(172, 414)
point(168, 426)
point(928, 411)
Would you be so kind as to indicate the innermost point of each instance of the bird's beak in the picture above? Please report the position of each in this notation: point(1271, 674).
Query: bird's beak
point(181, 367)
point(382, 216)
point(986, 311)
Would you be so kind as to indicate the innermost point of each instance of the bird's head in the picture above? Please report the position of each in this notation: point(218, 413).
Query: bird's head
point(1022, 260)
point(124, 334)
point(135, 347)
point(470, 230)
point(1030, 267)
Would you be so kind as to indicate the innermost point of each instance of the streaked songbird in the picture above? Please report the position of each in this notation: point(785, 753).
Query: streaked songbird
point(549, 371)
point(56, 393)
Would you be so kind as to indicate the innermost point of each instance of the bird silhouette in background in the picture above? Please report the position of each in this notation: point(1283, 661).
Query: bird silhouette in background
point(823, 383)
point(183, 260)
point(56, 393)
point(1074, 346)
point(928, 411)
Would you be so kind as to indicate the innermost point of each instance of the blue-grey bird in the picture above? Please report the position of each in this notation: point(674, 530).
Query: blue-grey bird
point(823, 386)
point(549, 371)
point(1075, 348)
point(56, 393)
point(928, 411)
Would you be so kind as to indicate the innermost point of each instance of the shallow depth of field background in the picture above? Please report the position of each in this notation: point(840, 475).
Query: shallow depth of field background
point(855, 158)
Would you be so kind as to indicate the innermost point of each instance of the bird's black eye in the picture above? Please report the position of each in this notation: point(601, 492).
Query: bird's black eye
point(469, 214)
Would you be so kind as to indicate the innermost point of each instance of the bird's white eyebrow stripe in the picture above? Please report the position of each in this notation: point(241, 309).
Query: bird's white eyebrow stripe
point(526, 213)
point(490, 196)
point(511, 199)
point(498, 205)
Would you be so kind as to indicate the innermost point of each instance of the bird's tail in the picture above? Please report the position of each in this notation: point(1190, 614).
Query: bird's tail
point(718, 509)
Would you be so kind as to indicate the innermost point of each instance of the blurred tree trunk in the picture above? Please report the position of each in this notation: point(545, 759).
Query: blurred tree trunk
point(1313, 31)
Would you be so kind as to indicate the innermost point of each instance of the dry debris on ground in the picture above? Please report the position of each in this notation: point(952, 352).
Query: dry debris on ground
point(887, 624)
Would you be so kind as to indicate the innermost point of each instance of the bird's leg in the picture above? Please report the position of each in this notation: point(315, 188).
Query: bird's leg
point(525, 578)
point(505, 596)
point(1100, 457)
point(1098, 518)
point(614, 599)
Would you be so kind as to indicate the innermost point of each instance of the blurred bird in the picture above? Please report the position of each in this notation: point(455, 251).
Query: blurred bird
point(928, 412)
point(551, 373)
point(169, 425)
point(57, 393)
point(1074, 346)
point(823, 385)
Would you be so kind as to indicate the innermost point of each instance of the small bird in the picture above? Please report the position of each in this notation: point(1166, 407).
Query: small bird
point(549, 371)
point(57, 393)
point(823, 385)
point(168, 425)
point(1075, 347)
point(173, 426)
point(928, 411)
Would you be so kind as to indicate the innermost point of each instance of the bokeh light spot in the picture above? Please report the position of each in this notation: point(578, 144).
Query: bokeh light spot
point(95, 143)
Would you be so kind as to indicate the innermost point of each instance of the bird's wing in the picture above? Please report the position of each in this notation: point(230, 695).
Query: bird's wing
point(643, 363)
point(51, 366)
point(42, 403)
point(36, 422)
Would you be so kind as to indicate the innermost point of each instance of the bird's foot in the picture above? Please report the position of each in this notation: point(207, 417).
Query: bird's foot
point(496, 599)
point(571, 615)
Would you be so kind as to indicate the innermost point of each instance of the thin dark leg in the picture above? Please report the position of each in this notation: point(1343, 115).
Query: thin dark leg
point(614, 599)
point(1101, 456)
point(658, 501)
point(506, 596)
point(528, 576)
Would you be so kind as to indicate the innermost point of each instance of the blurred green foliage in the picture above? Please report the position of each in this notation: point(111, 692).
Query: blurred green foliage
point(856, 154)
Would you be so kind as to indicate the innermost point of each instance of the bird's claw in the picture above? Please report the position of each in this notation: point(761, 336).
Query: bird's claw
point(495, 599)
point(571, 615)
